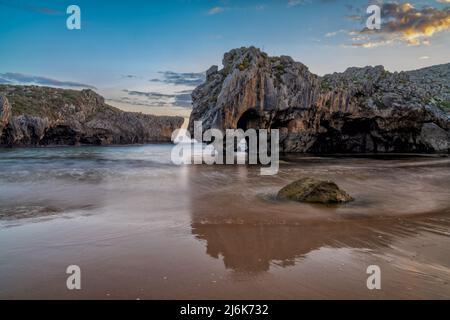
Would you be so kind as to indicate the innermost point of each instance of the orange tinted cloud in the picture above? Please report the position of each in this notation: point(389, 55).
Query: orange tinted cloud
point(405, 23)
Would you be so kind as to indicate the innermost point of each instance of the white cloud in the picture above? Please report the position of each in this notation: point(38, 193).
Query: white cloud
point(215, 10)
point(293, 3)
point(335, 33)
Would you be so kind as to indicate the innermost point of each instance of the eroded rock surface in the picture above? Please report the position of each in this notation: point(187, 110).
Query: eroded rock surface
point(41, 116)
point(360, 110)
point(314, 191)
point(5, 112)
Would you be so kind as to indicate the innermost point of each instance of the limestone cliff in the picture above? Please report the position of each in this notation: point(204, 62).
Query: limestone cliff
point(360, 110)
point(41, 116)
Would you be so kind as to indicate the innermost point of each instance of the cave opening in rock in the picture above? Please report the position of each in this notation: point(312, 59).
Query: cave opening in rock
point(60, 135)
point(250, 119)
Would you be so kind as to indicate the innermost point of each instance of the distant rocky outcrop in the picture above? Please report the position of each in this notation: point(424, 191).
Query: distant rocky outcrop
point(41, 116)
point(360, 110)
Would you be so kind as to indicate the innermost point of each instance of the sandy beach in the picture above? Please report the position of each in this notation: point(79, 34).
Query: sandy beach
point(142, 228)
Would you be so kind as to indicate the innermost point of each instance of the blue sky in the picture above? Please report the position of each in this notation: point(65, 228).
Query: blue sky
point(127, 43)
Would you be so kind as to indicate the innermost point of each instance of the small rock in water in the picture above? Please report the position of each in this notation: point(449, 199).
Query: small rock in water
point(314, 191)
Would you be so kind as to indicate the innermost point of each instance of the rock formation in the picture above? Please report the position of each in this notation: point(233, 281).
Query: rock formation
point(41, 116)
point(314, 191)
point(360, 110)
point(5, 112)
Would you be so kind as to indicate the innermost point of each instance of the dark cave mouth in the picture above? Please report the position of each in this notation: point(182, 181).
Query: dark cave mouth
point(250, 119)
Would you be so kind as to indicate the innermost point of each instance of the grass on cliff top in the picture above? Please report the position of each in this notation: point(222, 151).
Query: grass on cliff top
point(38, 101)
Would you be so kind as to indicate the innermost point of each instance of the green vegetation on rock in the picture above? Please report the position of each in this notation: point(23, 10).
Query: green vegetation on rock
point(445, 105)
point(244, 65)
point(324, 85)
point(39, 101)
point(314, 191)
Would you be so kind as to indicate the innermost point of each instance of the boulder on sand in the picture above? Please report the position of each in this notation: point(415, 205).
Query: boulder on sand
point(314, 191)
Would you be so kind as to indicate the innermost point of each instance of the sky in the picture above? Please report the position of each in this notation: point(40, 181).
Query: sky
point(151, 54)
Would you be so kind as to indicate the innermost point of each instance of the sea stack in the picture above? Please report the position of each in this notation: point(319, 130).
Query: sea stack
point(362, 110)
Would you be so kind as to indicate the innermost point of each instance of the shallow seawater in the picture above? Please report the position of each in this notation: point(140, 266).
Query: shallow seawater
point(140, 227)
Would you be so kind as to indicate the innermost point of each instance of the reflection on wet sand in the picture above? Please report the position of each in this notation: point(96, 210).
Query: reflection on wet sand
point(254, 248)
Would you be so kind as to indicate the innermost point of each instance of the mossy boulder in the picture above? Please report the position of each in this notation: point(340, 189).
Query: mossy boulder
point(314, 191)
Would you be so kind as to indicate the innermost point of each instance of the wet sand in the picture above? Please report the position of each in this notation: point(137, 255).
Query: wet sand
point(141, 228)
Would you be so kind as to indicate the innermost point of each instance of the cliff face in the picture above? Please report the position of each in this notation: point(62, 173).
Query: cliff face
point(360, 110)
point(40, 116)
point(5, 112)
